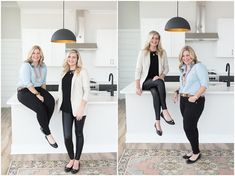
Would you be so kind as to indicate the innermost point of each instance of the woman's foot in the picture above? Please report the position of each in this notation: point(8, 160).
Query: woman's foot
point(69, 166)
point(76, 167)
point(188, 155)
point(158, 127)
point(193, 158)
point(167, 117)
point(51, 140)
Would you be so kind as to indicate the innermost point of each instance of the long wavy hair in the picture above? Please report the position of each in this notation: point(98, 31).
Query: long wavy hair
point(192, 54)
point(29, 57)
point(147, 43)
point(78, 64)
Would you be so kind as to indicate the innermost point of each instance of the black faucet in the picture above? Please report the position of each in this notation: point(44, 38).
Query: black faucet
point(228, 70)
point(112, 87)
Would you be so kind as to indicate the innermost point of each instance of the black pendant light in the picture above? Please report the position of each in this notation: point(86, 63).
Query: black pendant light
point(63, 35)
point(177, 24)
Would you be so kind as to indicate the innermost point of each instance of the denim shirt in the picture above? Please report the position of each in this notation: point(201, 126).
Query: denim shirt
point(32, 76)
point(197, 77)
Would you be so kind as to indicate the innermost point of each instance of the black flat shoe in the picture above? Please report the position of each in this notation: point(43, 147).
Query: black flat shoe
point(171, 122)
point(53, 145)
point(159, 132)
point(186, 156)
point(68, 169)
point(189, 161)
point(74, 171)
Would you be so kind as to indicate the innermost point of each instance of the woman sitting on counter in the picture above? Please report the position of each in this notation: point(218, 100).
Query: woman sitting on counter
point(193, 84)
point(32, 91)
point(151, 68)
point(73, 95)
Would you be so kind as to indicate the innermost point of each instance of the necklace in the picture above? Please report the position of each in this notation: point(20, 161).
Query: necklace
point(71, 71)
point(38, 74)
point(185, 74)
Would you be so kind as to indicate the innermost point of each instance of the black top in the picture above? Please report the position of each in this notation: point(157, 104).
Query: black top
point(153, 68)
point(66, 91)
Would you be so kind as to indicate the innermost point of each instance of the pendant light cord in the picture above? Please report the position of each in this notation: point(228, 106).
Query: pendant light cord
point(63, 14)
point(177, 8)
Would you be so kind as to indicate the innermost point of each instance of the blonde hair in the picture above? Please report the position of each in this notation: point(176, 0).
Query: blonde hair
point(79, 61)
point(147, 43)
point(192, 54)
point(29, 57)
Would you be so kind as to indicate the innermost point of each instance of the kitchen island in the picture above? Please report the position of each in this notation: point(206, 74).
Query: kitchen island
point(100, 129)
point(216, 124)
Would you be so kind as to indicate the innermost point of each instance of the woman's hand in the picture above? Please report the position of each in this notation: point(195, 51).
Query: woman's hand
point(79, 114)
point(175, 97)
point(41, 98)
point(155, 78)
point(192, 99)
point(138, 91)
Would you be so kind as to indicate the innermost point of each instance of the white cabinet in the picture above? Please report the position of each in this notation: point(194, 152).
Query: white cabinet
point(106, 53)
point(172, 42)
point(225, 46)
point(54, 53)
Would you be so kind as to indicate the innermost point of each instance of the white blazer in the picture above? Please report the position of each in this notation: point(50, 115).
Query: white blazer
point(80, 88)
point(143, 64)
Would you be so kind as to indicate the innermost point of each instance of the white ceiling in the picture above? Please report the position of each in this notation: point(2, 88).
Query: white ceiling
point(81, 5)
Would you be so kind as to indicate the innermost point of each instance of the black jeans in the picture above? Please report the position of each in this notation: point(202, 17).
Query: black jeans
point(158, 91)
point(68, 119)
point(44, 110)
point(191, 113)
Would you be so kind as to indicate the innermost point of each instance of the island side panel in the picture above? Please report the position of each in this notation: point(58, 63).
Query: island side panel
point(212, 125)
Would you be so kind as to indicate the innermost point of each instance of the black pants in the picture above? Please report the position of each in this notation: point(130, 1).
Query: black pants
point(191, 113)
point(44, 110)
point(158, 91)
point(68, 119)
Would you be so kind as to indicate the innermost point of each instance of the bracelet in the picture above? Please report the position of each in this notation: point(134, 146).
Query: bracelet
point(177, 91)
point(37, 94)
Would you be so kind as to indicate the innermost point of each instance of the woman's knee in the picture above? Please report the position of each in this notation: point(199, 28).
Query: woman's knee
point(40, 109)
point(68, 138)
point(159, 82)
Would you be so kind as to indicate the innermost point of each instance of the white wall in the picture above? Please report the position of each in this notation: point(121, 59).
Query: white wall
point(128, 42)
point(10, 49)
point(98, 19)
point(128, 46)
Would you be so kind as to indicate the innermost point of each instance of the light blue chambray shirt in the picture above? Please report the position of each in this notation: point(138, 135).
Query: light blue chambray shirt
point(197, 77)
point(28, 78)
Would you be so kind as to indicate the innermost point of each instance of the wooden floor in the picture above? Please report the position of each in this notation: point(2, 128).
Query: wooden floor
point(5, 139)
point(6, 143)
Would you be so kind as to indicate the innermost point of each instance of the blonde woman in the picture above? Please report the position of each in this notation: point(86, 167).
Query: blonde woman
point(193, 84)
point(32, 91)
point(151, 68)
point(73, 90)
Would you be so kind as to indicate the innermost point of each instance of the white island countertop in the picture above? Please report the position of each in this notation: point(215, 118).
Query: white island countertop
point(95, 97)
point(214, 88)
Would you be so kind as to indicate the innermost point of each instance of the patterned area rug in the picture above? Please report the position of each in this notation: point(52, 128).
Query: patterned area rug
point(170, 162)
point(88, 167)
